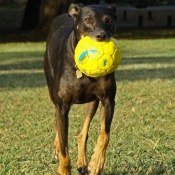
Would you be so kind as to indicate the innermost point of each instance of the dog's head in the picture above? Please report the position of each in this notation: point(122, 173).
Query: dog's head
point(96, 21)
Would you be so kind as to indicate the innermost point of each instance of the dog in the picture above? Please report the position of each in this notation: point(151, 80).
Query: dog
point(66, 89)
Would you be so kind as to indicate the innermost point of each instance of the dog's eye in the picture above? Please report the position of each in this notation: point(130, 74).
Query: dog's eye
point(108, 21)
point(89, 20)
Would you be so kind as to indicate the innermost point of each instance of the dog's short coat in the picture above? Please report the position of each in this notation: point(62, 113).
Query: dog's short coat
point(66, 89)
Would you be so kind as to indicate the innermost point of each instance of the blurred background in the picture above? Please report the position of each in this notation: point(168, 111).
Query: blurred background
point(31, 19)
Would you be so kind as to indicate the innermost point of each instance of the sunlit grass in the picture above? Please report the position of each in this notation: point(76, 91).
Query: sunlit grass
point(143, 129)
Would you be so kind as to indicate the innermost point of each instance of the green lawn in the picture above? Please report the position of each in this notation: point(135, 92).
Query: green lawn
point(143, 129)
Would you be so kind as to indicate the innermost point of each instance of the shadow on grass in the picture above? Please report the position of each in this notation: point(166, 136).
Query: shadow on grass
point(28, 71)
point(14, 80)
point(145, 74)
point(137, 73)
point(21, 60)
point(12, 55)
point(147, 60)
point(22, 69)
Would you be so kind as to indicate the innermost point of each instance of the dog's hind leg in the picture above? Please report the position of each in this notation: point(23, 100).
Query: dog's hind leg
point(98, 158)
point(61, 140)
point(90, 109)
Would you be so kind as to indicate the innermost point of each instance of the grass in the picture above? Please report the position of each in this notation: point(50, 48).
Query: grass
point(143, 129)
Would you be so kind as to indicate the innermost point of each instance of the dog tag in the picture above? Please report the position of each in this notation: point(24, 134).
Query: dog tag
point(79, 74)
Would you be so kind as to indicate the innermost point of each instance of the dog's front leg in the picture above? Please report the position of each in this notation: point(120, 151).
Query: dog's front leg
point(98, 158)
point(61, 140)
point(90, 109)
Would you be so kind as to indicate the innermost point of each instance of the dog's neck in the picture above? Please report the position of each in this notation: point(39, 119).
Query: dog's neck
point(72, 42)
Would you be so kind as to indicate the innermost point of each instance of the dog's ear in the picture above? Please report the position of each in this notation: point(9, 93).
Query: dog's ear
point(74, 10)
point(113, 7)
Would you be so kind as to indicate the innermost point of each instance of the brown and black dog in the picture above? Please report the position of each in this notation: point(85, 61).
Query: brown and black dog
point(66, 89)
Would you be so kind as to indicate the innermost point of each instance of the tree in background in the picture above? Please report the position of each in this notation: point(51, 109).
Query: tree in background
point(31, 15)
point(39, 15)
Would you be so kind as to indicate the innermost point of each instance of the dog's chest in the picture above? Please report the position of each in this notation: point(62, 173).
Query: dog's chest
point(83, 90)
point(78, 91)
point(83, 95)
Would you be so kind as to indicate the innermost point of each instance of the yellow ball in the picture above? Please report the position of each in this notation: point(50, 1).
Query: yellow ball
point(97, 59)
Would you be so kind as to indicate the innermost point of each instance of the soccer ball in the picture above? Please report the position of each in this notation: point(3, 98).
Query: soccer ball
point(97, 59)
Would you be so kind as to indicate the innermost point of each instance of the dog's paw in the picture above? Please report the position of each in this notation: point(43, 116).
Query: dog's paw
point(83, 170)
point(96, 163)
